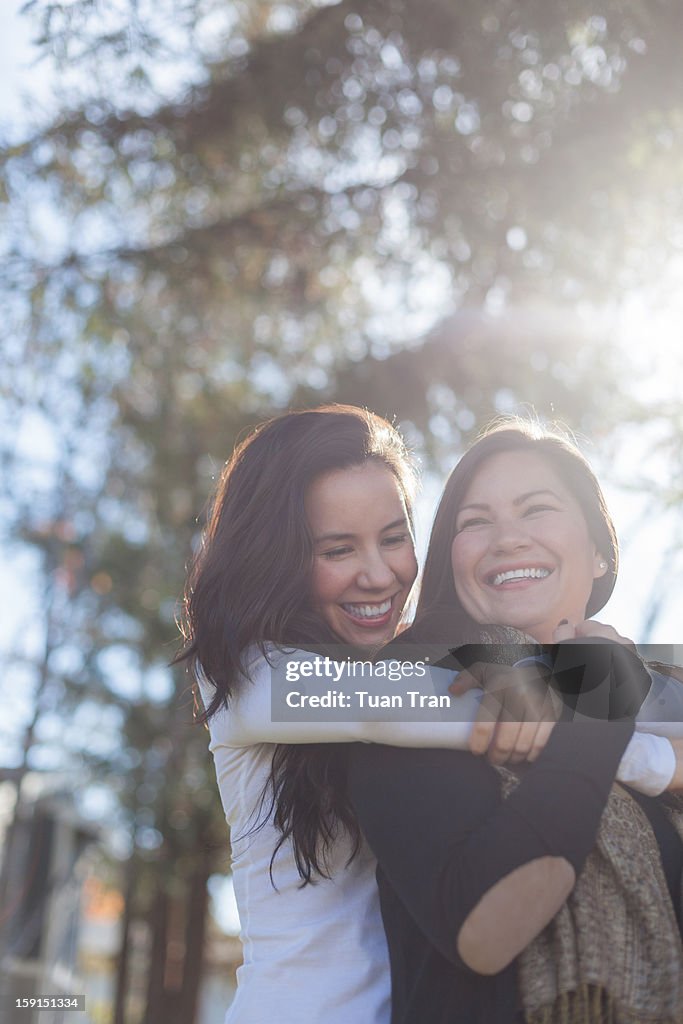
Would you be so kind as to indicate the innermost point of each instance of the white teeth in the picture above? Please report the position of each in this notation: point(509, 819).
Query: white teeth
point(520, 574)
point(368, 611)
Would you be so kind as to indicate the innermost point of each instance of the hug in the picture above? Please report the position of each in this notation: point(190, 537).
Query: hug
point(510, 869)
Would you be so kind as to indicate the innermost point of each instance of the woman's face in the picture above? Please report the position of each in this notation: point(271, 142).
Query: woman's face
point(522, 555)
point(364, 558)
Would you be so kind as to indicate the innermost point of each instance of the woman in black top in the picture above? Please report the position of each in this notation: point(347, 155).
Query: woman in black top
point(470, 880)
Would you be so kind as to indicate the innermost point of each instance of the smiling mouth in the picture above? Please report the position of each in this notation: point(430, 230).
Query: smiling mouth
point(516, 575)
point(367, 614)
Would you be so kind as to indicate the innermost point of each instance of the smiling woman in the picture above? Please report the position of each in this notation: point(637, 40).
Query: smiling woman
point(522, 539)
point(364, 559)
point(309, 542)
point(522, 554)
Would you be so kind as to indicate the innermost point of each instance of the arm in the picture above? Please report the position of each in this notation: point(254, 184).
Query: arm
point(458, 857)
point(513, 912)
point(648, 763)
point(662, 710)
point(653, 761)
point(512, 722)
point(248, 720)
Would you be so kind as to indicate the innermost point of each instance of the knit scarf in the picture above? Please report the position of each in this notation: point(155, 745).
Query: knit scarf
point(613, 953)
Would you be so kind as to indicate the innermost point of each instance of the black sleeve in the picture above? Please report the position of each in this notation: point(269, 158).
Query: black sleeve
point(443, 836)
point(598, 678)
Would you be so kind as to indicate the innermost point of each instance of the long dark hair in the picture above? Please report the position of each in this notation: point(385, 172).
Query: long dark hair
point(249, 585)
point(439, 616)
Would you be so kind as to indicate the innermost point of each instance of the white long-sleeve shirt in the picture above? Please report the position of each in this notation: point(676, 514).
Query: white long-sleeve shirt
point(319, 953)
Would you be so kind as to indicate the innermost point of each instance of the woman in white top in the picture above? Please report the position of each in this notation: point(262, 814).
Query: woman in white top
point(310, 542)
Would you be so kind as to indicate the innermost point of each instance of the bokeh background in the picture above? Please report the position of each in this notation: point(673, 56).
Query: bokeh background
point(215, 210)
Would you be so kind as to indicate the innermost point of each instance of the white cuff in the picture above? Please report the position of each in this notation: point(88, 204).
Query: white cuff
point(648, 764)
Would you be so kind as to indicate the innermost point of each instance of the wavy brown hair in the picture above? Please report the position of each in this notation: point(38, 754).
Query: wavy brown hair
point(249, 585)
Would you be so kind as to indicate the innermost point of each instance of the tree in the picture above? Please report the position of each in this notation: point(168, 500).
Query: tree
point(415, 206)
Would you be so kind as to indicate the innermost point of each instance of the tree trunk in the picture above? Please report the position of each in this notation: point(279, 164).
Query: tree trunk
point(122, 961)
point(197, 909)
point(155, 1012)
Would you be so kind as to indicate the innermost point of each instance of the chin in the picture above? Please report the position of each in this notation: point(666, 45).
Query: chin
point(370, 642)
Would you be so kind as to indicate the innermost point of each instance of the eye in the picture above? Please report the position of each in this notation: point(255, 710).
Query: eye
point(468, 524)
point(532, 509)
point(334, 553)
point(395, 540)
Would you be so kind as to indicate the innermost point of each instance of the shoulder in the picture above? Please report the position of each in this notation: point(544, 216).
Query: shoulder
point(667, 671)
point(255, 674)
point(257, 661)
point(260, 660)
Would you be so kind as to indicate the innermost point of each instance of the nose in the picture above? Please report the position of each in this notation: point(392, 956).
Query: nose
point(509, 535)
point(375, 573)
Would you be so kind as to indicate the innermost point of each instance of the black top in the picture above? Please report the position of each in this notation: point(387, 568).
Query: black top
point(443, 837)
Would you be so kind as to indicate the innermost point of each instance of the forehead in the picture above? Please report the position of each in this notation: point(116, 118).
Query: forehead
point(353, 500)
point(507, 475)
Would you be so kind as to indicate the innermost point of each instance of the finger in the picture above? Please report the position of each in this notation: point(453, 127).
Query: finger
point(463, 682)
point(484, 727)
point(540, 739)
point(564, 631)
point(481, 736)
point(552, 707)
point(525, 740)
point(504, 742)
point(591, 627)
point(557, 705)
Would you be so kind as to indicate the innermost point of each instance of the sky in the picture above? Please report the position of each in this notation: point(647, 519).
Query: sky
point(20, 75)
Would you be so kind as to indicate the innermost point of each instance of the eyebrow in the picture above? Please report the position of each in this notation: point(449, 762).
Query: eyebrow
point(324, 537)
point(517, 501)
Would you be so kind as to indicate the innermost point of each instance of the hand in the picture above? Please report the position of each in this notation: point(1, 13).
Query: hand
point(594, 680)
point(676, 784)
point(590, 627)
point(517, 713)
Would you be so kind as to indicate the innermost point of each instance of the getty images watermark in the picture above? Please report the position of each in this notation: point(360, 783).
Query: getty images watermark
point(591, 679)
point(348, 673)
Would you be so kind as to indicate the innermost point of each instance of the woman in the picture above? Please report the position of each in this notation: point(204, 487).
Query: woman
point(522, 538)
point(309, 542)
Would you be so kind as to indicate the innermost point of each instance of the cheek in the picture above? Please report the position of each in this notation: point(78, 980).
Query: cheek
point(327, 582)
point(466, 552)
point(405, 567)
point(575, 546)
point(463, 556)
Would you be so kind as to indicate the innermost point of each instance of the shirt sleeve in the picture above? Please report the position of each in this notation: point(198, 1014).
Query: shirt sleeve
point(248, 720)
point(648, 764)
point(443, 836)
point(662, 709)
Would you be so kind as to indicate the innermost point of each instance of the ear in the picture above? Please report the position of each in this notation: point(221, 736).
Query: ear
point(600, 565)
